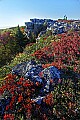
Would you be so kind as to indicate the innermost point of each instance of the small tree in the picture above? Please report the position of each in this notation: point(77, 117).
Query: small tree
point(20, 39)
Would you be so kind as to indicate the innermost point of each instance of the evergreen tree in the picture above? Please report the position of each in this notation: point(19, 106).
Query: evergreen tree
point(20, 39)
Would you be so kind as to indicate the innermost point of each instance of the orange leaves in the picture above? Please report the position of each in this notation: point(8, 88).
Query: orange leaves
point(51, 81)
point(9, 117)
point(21, 79)
point(49, 99)
point(56, 64)
point(26, 84)
point(20, 98)
point(19, 83)
point(28, 106)
point(37, 83)
point(10, 76)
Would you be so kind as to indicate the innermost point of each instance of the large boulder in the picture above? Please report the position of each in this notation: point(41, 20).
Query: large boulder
point(50, 74)
point(35, 72)
point(28, 70)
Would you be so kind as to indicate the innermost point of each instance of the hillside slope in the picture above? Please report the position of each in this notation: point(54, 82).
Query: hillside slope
point(22, 96)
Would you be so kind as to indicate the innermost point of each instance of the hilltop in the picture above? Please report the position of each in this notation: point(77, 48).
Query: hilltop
point(54, 53)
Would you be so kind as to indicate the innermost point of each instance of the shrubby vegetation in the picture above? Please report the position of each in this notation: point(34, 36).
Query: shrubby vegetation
point(12, 41)
point(62, 51)
point(27, 54)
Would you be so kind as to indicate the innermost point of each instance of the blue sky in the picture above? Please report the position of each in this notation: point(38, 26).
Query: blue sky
point(14, 12)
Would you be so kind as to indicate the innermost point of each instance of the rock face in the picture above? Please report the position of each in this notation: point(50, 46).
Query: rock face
point(28, 70)
point(40, 26)
point(36, 73)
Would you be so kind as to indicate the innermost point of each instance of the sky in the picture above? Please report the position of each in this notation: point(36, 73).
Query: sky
point(14, 12)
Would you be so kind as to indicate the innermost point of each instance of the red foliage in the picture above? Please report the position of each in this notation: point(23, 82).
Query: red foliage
point(8, 117)
point(63, 52)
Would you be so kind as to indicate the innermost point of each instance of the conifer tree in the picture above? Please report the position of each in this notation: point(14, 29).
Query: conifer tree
point(20, 39)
